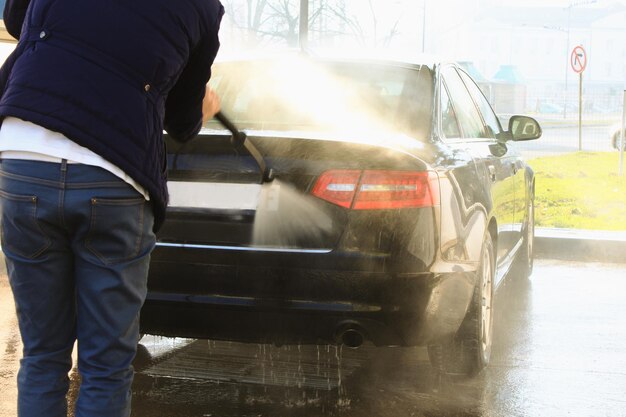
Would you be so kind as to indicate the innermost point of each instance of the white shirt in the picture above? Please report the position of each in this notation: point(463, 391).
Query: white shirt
point(25, 140)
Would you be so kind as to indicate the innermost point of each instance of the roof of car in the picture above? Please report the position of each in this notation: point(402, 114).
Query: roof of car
point(352, 55)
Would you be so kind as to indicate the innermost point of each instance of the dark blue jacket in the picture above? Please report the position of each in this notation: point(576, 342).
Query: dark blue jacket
point(112, 74)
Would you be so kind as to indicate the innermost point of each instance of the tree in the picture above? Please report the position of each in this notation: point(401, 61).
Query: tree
point(267, 20)
point(366, 37)
point(271, 21)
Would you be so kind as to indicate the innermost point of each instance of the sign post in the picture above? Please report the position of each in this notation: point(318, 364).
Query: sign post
point(578, 59)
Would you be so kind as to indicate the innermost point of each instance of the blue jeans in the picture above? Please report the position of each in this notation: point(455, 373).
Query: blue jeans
point(77, 243)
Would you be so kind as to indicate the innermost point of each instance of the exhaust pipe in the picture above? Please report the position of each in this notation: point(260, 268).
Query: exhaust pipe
point(350, 335)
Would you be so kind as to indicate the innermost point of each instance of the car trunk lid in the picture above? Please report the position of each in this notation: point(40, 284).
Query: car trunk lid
point(216, 197)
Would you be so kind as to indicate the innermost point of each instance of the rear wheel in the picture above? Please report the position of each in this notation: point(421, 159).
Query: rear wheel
point(468, 352)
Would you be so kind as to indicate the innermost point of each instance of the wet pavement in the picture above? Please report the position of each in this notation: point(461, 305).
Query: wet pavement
point(559, 350)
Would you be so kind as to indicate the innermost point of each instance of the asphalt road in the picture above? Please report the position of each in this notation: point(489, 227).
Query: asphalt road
point(560, 350)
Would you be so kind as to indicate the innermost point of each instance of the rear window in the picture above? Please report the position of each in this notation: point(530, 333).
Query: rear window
point(299, 95)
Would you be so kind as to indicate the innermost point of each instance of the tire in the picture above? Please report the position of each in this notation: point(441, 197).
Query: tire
point(143, 358)
point(524, 260)
point(469, 351)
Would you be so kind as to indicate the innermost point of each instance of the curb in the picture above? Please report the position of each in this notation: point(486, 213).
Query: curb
point(580, 245)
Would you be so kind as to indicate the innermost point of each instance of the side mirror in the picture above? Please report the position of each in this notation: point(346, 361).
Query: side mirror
point(524, 128)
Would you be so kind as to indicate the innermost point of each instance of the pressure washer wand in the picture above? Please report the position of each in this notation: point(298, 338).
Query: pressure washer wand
point(284, 216)
point(240, 140)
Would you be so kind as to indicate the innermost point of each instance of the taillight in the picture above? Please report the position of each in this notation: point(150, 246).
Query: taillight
point(372, 190)
point(337, 187)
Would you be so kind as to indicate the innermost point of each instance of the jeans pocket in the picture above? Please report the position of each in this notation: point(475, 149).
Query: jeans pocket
point(21, 233)
point(117, 229)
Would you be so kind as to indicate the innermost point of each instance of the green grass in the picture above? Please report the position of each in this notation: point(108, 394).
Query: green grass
point(582, 190)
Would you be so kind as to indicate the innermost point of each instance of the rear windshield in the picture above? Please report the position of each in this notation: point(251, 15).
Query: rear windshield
point(298, 95)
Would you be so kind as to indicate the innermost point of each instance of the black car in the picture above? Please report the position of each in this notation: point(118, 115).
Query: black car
point(385, 204)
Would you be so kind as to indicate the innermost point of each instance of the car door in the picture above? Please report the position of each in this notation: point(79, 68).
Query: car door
point(491, 157)
point(512, 158)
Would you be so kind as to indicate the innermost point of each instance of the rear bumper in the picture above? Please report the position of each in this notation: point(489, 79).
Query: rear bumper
point(386, 309)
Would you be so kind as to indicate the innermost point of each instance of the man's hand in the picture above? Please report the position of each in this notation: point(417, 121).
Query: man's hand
point(210, 105)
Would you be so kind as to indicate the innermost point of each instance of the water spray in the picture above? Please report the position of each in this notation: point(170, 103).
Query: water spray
point(285, 217)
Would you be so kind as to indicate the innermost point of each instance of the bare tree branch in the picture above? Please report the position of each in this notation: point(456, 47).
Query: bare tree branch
point(352, 23)
point(279, 19)
point(374, 20)
point(392, 33)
